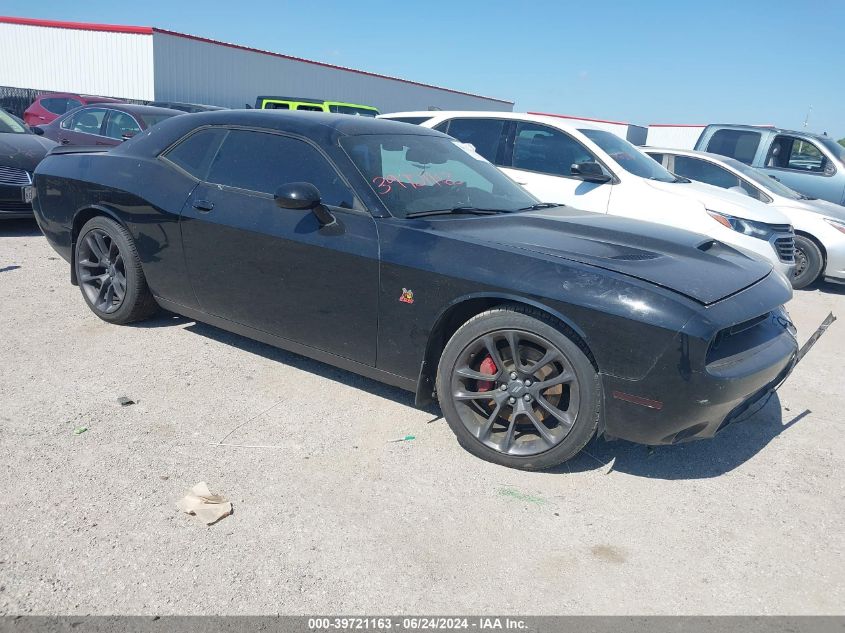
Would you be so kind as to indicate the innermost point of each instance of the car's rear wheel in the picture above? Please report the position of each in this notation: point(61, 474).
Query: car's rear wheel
point(808, 262)
point(516, 390)
point(109, 273)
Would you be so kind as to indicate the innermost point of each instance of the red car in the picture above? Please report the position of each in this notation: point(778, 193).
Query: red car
point(50, 105)
point(103, 124)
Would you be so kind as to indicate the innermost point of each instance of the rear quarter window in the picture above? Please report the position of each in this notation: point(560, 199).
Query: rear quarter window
point(739, 144)
point(195, 153)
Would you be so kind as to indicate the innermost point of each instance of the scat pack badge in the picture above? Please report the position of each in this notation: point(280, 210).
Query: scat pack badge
point(407, 296)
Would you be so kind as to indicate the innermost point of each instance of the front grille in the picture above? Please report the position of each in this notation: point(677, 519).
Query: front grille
point(785, 246)
point(7, 206)
point(14, 176)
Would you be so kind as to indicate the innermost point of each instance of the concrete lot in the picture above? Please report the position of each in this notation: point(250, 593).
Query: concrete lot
point(340, 520)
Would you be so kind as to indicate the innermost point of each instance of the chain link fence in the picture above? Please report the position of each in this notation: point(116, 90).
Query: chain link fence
point(16, 100)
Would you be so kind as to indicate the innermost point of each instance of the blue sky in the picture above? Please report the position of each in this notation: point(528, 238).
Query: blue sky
point(645, 62)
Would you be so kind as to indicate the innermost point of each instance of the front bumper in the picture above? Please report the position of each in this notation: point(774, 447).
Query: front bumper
point(697, 387)
point(12, 204)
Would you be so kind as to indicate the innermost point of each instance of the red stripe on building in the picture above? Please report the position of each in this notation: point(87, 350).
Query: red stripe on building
point(79, 26)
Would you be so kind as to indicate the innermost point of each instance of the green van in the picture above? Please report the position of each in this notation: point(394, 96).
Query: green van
point(313, 105)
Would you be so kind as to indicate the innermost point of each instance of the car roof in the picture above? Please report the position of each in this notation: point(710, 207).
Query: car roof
point(321, 127)
point(768, 128)
point(719, 158)
point(141, 110)
point(74, 95)
point(559, 122)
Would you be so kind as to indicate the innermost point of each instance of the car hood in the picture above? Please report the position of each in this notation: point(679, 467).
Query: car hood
point(688, 263)
point(24, 151)
point(822, 207)
point(724, 201)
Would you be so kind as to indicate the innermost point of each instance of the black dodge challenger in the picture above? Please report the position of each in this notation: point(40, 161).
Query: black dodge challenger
point(396, 252)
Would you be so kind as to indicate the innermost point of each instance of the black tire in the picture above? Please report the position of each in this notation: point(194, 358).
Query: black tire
point(499, 428)
point(109, 273)
point(809, 262)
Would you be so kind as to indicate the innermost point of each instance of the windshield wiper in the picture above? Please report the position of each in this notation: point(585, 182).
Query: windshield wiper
point(456, 210)
point(541, 205)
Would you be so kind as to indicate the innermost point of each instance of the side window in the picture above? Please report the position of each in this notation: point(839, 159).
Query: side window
point(658, 157)
point(484, 134)
point(121, 124)
point(89, 121)
point(310, 108)
point(276, 106)
point(739, 144)
point(263, 162)
point(59, 105)
point(789, 152)
point(705, 171)
point(544, 149)
point(195, 153)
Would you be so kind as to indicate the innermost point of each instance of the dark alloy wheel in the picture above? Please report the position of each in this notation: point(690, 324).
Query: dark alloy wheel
point(103, 271)
point(809, 262)
point(518, 392)
point(109, 272)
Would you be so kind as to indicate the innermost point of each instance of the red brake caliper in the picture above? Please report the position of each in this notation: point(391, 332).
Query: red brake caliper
point(487, 367)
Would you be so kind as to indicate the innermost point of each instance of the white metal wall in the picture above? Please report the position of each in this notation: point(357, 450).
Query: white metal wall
point(73, 60)
point(203, 72)
point(674, 136)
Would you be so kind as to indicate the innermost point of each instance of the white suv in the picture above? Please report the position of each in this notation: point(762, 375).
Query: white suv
point(576, 164)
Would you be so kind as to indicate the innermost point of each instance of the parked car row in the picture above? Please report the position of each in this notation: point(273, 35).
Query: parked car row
point(397, 252)
point(574, 163)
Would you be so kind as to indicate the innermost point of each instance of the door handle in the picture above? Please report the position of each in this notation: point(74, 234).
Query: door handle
point(64, 141)
point(203, 205)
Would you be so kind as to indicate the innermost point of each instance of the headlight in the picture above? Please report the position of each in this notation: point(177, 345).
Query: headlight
point(837, 224)
point(759, 230)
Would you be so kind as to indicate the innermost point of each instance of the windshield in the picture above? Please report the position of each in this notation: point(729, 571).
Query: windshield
point(10, 125)
point(765, 182)
point(345, 109)
point(834, 148)
point(419, 174)
point(629, 157)
point(153, 119)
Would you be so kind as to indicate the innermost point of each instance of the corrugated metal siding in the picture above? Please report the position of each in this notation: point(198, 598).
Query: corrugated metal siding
point(72, 60)
point(195, 71)
point(677, 137)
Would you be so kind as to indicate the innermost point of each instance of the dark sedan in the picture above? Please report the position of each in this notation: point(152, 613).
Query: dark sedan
point(106, 124)
point(20, 152)
point(393, 251)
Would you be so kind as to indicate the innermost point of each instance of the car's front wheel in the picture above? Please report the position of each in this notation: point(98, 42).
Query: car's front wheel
point(109, 273)
point(517, 390)
point(809, 262)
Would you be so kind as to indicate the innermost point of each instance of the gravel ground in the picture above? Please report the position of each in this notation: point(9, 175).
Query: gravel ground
point(339, 520)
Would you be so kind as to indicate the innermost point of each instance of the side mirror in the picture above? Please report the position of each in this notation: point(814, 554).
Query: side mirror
point(589, 172)
point(303, 196)
point(37, 130)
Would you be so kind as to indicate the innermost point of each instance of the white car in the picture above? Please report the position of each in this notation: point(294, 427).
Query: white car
point(579, 165)
point(819, 225)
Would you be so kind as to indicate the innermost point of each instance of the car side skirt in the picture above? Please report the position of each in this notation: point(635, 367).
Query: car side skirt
point(408, 384)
